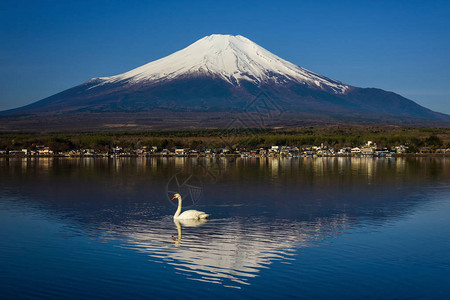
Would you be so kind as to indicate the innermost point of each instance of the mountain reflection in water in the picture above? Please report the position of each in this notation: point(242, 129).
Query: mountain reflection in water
point(263, 211)
point(226, 251)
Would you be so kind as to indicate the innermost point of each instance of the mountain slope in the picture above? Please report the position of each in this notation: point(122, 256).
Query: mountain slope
point(231, 58)
point(223, 73)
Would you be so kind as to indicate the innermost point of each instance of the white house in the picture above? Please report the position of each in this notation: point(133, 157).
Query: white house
point(180, 152)
point(356, 150)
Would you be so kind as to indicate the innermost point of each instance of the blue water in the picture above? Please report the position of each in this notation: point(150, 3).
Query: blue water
point(325, 228)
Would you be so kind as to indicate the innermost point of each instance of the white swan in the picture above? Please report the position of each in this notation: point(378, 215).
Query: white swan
point(188, 214)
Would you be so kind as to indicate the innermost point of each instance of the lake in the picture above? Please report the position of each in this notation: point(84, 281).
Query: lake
point(324, 228)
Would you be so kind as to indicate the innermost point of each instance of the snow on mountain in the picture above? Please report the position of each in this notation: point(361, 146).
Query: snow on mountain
point(231, 58)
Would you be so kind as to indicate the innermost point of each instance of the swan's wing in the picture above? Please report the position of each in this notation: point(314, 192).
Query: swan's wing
point(192, 222)
point(193, 214)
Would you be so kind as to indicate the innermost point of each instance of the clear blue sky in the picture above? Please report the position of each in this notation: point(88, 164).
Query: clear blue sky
point(401, 46)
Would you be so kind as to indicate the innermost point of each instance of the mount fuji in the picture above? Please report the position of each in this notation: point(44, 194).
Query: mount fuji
point(224, 73)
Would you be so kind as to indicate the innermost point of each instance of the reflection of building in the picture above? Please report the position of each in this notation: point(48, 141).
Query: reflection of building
point(275, 166)
point(45, 163)
point(180, 162)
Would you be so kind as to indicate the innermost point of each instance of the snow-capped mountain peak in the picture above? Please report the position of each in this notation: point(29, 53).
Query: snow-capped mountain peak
point(231, 58)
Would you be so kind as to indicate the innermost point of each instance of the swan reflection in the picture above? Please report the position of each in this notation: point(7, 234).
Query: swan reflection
point(186, 223)
point(227, 251)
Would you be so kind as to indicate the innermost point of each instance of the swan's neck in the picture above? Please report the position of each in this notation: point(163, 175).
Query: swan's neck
point(177, 213)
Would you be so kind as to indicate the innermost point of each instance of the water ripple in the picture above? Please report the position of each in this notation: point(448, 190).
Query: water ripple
point(225, 251)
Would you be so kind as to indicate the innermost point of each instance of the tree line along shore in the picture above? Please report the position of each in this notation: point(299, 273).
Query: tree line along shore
point(414, 139)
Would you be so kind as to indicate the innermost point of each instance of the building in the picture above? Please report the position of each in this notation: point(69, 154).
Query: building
point(117, 150)
point(400, 149)
point(16, 153)
point(356, 150)
point(88, 152)
point(45, 151)
point(180, 152)
point(367, 150)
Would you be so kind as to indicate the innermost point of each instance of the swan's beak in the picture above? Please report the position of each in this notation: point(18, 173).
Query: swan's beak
point(173, 197)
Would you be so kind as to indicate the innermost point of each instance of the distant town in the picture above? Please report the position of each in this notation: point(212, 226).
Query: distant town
point(366, 150)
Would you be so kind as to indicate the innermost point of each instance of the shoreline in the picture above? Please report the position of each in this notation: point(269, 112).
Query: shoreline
point(403, 155)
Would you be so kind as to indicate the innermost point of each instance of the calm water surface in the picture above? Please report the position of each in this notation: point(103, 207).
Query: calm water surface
point(306, 228)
